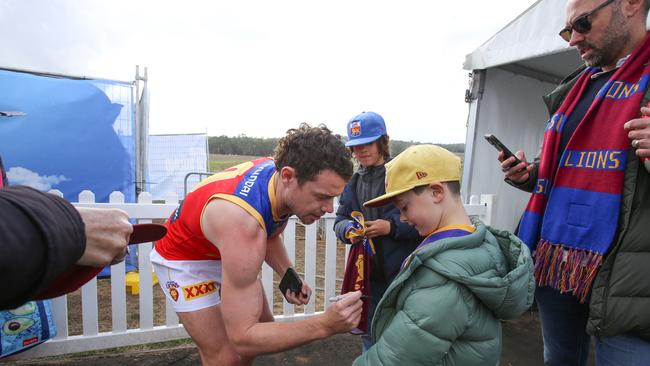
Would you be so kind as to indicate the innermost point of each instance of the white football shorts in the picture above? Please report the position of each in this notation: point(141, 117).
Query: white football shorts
point(189, 285)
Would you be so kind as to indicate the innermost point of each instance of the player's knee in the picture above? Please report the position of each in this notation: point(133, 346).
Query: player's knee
point(219, 356)
point(241, 348)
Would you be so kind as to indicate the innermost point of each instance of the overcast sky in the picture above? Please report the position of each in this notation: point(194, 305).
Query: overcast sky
point(260, 67)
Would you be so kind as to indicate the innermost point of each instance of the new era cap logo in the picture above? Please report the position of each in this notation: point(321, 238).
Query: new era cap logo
point(420, 175)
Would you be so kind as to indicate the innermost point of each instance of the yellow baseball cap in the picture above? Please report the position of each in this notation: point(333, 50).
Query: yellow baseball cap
point(417, 166)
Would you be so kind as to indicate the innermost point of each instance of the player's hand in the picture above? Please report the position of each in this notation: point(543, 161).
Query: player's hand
point(299, 299)
point(107, 236)
point(639, 133)
point(376, 228)
point(343, 315)
point(518, 173)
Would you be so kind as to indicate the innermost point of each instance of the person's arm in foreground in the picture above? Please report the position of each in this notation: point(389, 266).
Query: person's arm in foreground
point(42, 236)
point(242, 244)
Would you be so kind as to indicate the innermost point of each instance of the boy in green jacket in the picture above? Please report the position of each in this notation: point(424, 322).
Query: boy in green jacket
point(445, 305)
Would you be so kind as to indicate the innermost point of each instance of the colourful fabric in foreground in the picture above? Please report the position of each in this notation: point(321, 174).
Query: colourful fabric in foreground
point(572, 216)
point(25, 327)
point(357, 268)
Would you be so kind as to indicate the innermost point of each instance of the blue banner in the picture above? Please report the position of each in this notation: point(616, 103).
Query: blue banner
point(67, 134)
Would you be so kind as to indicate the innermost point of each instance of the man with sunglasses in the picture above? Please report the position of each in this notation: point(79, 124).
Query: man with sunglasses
point(588, 217)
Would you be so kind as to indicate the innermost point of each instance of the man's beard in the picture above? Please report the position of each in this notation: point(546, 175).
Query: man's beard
point(616, 37)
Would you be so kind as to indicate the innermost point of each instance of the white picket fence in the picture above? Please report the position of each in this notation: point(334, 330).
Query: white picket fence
point(145, 211)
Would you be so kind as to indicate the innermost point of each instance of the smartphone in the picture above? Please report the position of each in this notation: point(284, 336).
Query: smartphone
point(494, 141)
point(290, 281)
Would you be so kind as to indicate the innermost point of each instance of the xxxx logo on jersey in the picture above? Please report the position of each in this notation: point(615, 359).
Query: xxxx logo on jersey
point(195, 291)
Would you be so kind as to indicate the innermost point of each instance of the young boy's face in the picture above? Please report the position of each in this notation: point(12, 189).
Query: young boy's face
point(368, 154)
point(419, 210)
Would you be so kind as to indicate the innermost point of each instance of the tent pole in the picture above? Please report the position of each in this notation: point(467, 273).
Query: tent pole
point(473, 96)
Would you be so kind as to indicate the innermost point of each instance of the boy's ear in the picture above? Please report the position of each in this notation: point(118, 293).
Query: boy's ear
point(438, 191)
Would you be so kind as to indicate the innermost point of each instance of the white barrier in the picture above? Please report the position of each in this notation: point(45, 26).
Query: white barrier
point(146, 211)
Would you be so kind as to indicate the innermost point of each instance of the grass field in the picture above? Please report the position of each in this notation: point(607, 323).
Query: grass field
point(219, 162)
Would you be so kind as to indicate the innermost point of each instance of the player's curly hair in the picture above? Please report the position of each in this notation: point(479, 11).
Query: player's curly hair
point(310, 150)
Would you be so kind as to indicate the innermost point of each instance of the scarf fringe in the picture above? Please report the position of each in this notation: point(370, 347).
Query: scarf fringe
point(569, 270)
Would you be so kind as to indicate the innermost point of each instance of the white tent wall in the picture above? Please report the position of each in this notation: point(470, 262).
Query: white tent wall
point(510, 108)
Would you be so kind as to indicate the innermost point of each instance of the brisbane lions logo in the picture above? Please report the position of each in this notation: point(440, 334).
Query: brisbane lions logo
point(172, 287)
point(355, 128)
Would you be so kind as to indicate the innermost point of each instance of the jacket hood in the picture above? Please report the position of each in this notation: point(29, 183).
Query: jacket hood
point(499, 272)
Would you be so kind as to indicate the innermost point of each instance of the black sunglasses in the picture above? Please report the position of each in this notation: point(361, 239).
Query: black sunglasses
point(582, 24)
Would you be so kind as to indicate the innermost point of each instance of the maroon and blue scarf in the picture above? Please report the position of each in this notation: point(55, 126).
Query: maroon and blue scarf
point(572, 216)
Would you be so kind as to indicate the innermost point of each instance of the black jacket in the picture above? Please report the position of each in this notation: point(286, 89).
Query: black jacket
point(41, 236)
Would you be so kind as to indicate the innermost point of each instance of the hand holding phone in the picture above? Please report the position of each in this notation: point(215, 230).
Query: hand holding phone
point(290, 281)
point(494, 141)
point(519, 175)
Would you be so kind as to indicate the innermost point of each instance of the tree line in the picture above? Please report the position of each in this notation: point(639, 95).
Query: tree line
point(260, 146)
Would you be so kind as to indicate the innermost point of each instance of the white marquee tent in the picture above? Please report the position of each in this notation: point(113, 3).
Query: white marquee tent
point(510, 74)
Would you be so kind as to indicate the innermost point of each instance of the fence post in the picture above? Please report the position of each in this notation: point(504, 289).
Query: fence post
point(473, 200)
point(55, 192)
point(488, 201)
point(118, 282)
point(144, 271)
point(310, 263)
point(171, 319)
point(89, 290)
point(267, 283)
point(330, 260)
point(290, 244)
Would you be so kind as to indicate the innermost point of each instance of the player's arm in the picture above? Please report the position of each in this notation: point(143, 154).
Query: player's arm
point(242, 244)
point(278, 259)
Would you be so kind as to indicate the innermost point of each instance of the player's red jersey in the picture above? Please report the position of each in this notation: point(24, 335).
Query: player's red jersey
point(249, 185)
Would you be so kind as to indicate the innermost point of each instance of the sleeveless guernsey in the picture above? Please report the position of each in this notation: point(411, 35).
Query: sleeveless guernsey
point(248, 185)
